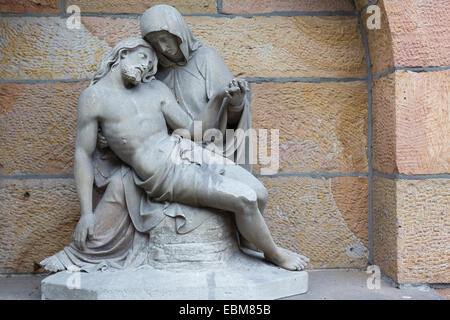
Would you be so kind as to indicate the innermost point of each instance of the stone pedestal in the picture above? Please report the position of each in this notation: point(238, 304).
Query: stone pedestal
point(244, 277)
point(207, 247)
point(203, 264)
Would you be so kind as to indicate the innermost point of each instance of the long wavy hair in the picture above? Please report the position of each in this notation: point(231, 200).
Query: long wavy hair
point(112, 59)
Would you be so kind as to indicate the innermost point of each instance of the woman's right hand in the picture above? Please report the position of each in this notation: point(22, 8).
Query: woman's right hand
point(236, 91)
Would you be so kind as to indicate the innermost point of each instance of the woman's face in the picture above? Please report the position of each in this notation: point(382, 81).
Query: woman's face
point(165, 43)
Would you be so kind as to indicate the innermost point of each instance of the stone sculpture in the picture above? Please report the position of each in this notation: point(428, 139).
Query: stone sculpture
point(162, 189)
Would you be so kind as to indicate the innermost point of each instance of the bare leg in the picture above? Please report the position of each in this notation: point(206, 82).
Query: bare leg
point(237, 191)
point(255, 229)
point(244, 243)
point(234, 196)
point(234, 172)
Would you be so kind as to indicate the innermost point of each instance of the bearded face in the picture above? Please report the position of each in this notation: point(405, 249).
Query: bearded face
point(135, 64)
point(130, 73)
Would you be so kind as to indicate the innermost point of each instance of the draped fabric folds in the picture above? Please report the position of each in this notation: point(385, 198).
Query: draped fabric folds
point(126, 213)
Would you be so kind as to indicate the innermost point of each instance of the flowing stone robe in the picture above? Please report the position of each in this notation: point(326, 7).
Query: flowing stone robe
point(125, 214)
point(199, 79)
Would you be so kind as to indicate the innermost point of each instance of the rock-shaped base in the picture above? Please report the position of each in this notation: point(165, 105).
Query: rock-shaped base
point(242, 277)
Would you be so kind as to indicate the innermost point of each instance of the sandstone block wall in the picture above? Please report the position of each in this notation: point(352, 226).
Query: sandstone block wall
point(412, 229)
point(411, 141)
point(305, 61)
point(363, 118)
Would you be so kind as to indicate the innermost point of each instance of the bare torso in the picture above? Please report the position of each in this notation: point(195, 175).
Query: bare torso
point(135, 127)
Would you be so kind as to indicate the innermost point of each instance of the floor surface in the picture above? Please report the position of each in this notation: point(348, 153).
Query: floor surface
point(334, 284)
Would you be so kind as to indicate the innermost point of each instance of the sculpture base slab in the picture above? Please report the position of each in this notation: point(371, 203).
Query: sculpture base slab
point(242, 277)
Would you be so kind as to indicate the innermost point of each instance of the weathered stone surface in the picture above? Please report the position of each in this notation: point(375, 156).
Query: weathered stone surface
point(415, 35)
point(324, 219)
point(37, 219)
point(9, 92)
point(243, 277)
point(361, 4)
point(35, 6)
point(423, 122)
point(286, 46)
point(385, 226)
point(112, 30)
point(411, 112)
point(310, 216)
point(208, 247)
point(311, 46)
point(412, 229)
point(351, 195)
point(139, 6)
point(445, 292)
point(419, 32)
point(44, 48)
point(323, 126)
point(264, 6)
point(380, 41)
point(423, 208)
point(383, 124)
point(38, 127)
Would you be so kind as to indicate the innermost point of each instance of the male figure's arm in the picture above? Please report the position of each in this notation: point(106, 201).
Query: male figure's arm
point(83, 167)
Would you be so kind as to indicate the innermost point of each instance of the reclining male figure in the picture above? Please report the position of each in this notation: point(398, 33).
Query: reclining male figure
point(134, 113)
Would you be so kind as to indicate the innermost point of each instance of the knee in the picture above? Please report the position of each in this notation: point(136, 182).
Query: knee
point(248, 202)
point(261, 193)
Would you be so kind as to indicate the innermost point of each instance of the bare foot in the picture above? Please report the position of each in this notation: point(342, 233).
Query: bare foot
point(288, 260)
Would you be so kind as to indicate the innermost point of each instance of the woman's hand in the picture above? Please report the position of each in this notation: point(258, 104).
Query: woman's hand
point(236, 91)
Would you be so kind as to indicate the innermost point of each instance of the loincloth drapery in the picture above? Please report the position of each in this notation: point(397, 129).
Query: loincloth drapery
point(185, 174)
point(174, 188)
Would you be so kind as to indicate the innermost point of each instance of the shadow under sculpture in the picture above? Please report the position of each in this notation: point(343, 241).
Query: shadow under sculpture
point(162, 188)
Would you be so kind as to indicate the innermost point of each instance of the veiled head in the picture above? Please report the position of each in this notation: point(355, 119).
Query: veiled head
point(166, 44)
point(166, 20)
